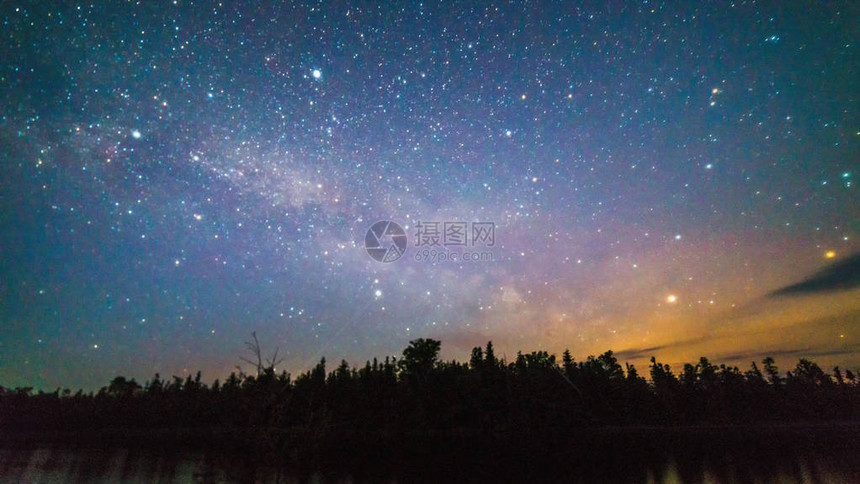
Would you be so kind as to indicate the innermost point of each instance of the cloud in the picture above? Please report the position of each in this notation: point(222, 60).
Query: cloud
point(637, 353)
point(842, 275)
point(800, 352)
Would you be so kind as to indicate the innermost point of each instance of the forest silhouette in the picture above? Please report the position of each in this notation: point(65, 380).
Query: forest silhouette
point(421, 401)
point(418, 391)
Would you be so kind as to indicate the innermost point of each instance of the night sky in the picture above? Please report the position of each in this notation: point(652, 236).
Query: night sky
point(669, 181)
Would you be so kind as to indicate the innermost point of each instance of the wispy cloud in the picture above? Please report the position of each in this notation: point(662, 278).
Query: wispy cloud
point(842, 275)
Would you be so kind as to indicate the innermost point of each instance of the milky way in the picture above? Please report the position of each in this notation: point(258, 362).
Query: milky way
point(176, 176)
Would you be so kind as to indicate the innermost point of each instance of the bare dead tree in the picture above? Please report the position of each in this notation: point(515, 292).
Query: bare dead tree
point(257, 355)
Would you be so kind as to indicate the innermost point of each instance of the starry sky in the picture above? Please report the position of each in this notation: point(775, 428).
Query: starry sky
point(674, 181)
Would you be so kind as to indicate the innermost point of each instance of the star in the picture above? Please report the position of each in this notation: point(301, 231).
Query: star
point(214, 179)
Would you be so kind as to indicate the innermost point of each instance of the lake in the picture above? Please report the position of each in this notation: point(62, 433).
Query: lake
point(807, 453)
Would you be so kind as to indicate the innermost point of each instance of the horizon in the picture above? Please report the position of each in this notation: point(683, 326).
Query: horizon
point(642, 365)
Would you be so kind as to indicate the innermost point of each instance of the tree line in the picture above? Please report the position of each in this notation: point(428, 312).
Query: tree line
point(419, 393)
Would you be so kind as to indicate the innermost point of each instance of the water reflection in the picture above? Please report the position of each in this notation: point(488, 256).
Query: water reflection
point(726, 455)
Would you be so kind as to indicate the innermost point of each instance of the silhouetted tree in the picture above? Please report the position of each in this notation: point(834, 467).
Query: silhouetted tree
point(477, 359)
point(771, 370)
point(490, 355)
point(420, 357)
point(121, 388)
point(260, 365)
